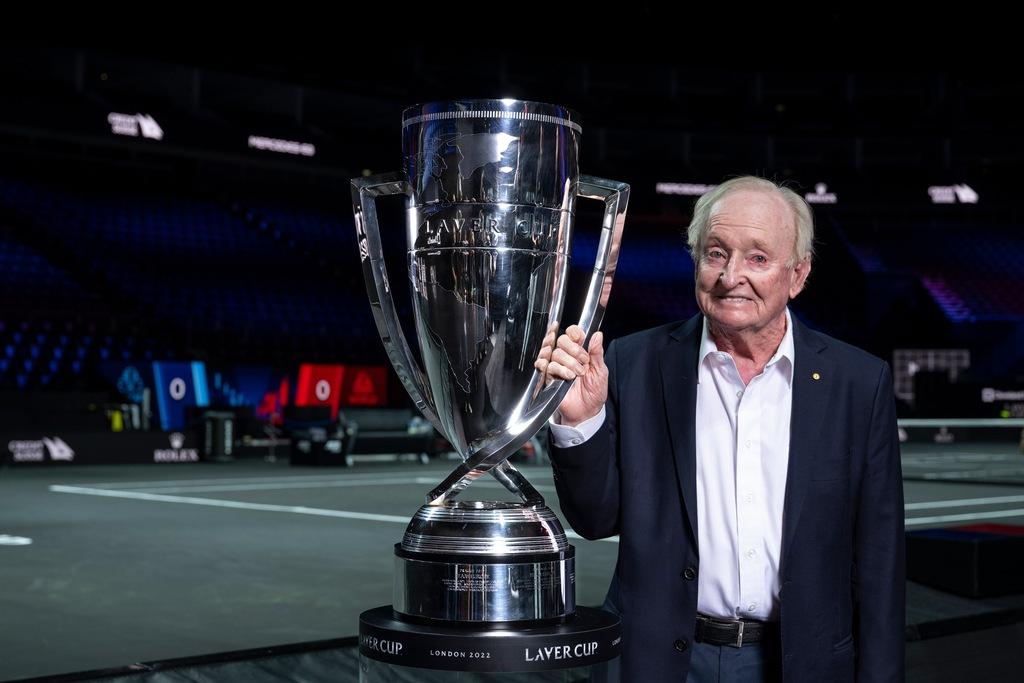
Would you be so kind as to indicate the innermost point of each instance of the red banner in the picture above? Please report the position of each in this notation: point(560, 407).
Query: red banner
point(365, 385)
point(320, 385)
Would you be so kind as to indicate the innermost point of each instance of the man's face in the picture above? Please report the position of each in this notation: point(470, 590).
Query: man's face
point(744, 279)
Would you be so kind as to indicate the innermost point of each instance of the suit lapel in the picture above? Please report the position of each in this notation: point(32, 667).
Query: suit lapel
point(679, 390)
point(813, 386)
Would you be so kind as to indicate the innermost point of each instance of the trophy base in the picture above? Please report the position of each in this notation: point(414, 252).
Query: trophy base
point(484, 562)
point(536, 589)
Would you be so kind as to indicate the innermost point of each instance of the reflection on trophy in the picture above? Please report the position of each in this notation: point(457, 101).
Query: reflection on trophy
point(491, 188)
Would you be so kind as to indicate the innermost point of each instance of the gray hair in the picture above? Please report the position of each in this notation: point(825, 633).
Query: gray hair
point(697, 232)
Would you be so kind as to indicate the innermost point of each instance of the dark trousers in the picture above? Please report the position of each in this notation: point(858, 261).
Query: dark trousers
point(753, 663)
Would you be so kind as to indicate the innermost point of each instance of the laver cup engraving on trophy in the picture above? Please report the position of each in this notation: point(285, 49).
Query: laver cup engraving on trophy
point(491, 189)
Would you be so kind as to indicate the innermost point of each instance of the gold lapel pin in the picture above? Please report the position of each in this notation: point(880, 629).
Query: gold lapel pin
point(815, 376)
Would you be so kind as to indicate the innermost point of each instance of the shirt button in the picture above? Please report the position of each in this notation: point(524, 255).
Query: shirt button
point(690, 573)
point(751, 553)
point(751, 607)
point(680, 645)
point(739, 394)
point(577, 442)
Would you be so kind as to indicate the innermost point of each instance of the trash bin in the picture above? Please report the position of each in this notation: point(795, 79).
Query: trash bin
point(218, 435)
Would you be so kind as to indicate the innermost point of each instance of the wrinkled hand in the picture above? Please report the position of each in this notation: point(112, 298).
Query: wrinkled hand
point(565, 358)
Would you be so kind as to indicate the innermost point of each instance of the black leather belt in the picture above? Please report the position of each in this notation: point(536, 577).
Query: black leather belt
point(733, 632)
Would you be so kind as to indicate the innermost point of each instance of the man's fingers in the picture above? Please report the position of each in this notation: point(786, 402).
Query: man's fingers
point(560, 371)
point(549, 338)
point(566, 344)
point(597, 350)
point(567, 360)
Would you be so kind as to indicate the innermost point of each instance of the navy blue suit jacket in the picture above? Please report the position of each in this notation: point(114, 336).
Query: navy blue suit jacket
point(842, 562)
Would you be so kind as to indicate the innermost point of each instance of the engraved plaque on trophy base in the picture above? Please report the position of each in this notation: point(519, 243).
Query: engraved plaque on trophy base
point(485, 562)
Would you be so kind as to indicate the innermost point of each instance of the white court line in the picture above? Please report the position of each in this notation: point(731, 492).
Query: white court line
point(276, 486)
point(974, 474)
point(995, 514)
point(966, 458)
point(960, 422)
point(419, 473)
point(238, 505)
point(286, 477)
point(346, 483)
point(944, 454)
point(282, 485)
point(963, 502)
point(14, 540)
point(365, 516)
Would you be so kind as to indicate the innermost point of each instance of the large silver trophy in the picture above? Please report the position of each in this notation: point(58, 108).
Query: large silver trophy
point(491, 188)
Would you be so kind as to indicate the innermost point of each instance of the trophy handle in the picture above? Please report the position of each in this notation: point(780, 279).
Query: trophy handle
point(364, 194)
point(539, 403)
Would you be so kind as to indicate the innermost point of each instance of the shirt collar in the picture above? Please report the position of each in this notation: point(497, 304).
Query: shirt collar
point(786, 348)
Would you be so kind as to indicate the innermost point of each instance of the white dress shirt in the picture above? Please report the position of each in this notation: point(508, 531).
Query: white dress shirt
point(742, 461)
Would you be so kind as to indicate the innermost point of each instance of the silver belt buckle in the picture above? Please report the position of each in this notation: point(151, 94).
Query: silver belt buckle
point(739, 636)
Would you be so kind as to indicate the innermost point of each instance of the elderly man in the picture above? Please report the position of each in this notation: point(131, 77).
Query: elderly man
point(749, 465)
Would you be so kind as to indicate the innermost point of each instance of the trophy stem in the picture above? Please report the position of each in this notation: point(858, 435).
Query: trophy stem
point(505, 472)
point(515, 482)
